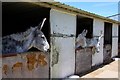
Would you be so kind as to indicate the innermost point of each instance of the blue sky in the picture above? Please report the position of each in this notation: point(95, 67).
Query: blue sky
point(100, 8)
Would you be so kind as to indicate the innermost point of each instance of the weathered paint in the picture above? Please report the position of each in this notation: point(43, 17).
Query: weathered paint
point(107, 50)
point(55, 52)
point(83, 60)
point(26, 65)
point(65, 60)
point(114, 40)
point(98, 26)
point(64, 44)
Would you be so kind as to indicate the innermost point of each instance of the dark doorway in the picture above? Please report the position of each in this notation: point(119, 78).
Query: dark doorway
point(108, 33)
point(83, 57)
point(20, 16)
point(107, 42)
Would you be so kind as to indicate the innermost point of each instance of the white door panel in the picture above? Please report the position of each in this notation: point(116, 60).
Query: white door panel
point(63, 30)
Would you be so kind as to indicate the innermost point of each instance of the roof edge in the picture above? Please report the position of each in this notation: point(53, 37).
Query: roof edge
point(55, 5)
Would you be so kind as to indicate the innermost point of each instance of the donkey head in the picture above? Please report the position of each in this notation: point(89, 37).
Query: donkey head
point(81, 39)
point(97, 45)
point(40, 41)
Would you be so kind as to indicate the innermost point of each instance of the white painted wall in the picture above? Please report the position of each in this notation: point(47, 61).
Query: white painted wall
point(63, 23)
point(98, 26)
point(114, 40)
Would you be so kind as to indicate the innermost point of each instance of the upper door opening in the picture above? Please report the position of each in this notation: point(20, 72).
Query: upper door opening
point(19, 16)
point(107, 33)
point(84, 23)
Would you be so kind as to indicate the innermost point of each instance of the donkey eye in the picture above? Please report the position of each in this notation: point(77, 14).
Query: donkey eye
point(43, 37)
point(39, 35)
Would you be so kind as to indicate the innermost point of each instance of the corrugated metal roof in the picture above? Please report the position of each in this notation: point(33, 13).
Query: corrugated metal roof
point(76, 10)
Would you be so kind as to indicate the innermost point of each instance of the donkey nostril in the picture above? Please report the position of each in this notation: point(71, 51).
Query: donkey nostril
point(97, 51)
point(48, 50)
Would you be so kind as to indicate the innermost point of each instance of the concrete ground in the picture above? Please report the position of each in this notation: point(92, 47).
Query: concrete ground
point(107, 71)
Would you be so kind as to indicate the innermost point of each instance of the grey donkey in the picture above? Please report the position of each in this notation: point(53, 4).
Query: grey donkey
point(82, 41)
point(22, 42)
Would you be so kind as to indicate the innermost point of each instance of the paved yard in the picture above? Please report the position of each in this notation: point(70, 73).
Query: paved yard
point(108, 71)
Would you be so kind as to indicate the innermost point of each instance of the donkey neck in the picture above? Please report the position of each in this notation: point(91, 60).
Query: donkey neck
point(28, 43)
point(26, 38)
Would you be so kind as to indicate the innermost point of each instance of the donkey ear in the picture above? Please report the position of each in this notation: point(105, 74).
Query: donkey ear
point(83, 31)
point(40, 26)
point(86, 31)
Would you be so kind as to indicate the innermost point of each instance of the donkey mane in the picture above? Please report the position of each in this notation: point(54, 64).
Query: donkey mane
point(22, 35)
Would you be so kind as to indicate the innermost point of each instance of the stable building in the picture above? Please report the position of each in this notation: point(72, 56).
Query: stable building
point(63, 25)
